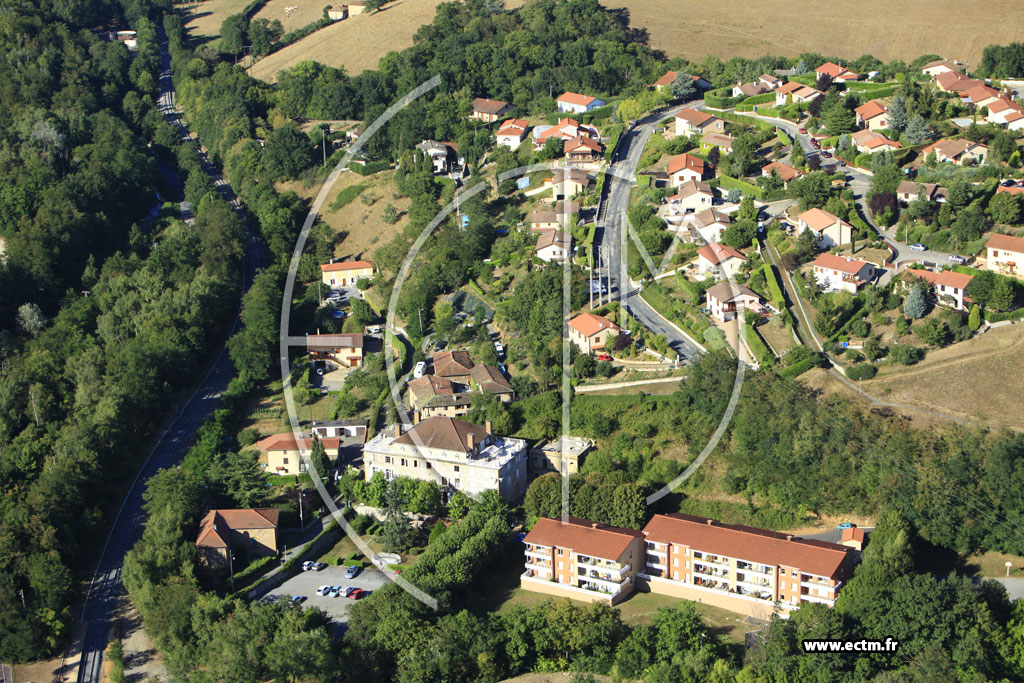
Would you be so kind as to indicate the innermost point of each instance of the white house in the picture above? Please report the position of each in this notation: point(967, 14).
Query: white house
point(693, 196)
point(683, 167)
point(726, 300)
point(554, 245)
point(948, 286)
point(829, 230)
point(841, 274)
point(1005, 254)
point(577, 103)
point(719, 260)
point(512, 132)
point(709, 224)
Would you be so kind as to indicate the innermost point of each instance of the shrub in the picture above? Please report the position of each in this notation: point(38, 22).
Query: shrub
point(860, 328)
point(862, 371)
point(905, 354)
point(248, 436)
point(362, 523)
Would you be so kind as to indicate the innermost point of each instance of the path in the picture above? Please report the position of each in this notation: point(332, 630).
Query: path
point(590, 388)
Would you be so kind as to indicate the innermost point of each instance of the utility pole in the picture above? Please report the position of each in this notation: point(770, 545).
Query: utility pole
point(420, 313)
point(323, 138)
point(231, 564)
point(302, 520)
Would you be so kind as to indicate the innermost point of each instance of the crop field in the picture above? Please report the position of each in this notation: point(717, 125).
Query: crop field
point(726, 29)
point(305, 12)
point(209, 15)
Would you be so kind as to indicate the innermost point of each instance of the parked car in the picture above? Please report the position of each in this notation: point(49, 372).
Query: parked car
point(324, 590)
point(441, 343)
point(845, 525)
point(499, 348)
point(421, 367)
point(955, 258)
point(1009, 182)
point(298, 599)
point(319, 566)
point(358, 593)
point(352, 572)
point(827, 155)
point(604, 357)
point(918, 247)
point(373, 329)
point(801, 130)
point(307, 565)
point(763, 215)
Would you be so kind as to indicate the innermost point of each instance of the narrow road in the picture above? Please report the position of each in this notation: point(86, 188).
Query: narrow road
point(106, 589)
point(612, 236)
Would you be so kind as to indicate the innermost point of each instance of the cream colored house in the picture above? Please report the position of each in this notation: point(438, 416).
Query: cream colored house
point(345, 273)
point(873, 115)
point(683, 167)
point(957, 151)
point(696, 122)
point(1005, 254)
point(345, 350)
point(719, 261)
point(947, 287)
point(552, 456)
point(841, 274)
point(727, 301)
point(457, 454)
point(693, 196)
point(487, 110)
point(554, 246)
point(590, 332)
point(829, 230)
point(284, 454)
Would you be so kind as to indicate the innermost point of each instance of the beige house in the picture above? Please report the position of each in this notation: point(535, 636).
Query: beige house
point(696, 122)
point(750, 89)
point(908, 191)
point(431, 396)
point(356, 7)
point(727, 300)
point(284, 454)
point(980, 96)
point(709, 224)
point(837, 72)
point(562, 217)
point(552, 456)
point(829, 230)
point(487, 110)
point(942, 66)
point(957, 151)
point(345, 273)
point(345, 350)
point(719, 261)
point(873, 115)
point(869, 142)
point(785, 172)
point(692, 196)
point(577, 104)
point(683, 167)
point(222, 533)
point(590, 332)
point(795, 92)
point(457, 454)
point(948, 287)
point(582, 560)
point(739, 568)
point(567, 182)
point(841, 274)
point(554, 246)
point(582, 149)
point(956, 82)
point(720, 140)
point(1005, 254)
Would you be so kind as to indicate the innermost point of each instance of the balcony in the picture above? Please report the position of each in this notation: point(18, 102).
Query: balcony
point(814, 598)
point(722, 586)
point(759, 568)
point(708, 569)
point(753, 593)
point(606, 577)
point(539, 554)
point(597, 586)
point(655, 551)
point(539, 565)
point(754, 583)
point(598, 562)
point(714, 560)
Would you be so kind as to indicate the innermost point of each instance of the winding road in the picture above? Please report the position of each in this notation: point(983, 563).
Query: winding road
point(106, 589)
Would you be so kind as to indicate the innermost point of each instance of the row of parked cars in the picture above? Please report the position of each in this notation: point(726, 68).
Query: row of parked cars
point(343, 592)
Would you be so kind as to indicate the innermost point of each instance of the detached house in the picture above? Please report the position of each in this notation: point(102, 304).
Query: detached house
point(798, 92)
point(869, 142)
point(1006, 112)
point(980, 96)
point(666, 81)
point(692, 196)
point(841, 274)
point(836, 72)
point(345, 273)
point(567, 182)
point(942, 66)
point(719, 260)
point(512, 132)
point(563, 216)
point(785, 172)
point(955, 82)
point(750, 89)
point(487, 110)
point(284, 453)
point(771, 81)
point(563, 454)
point(577, 103)
point(696, 122)
point(719, 140)
point(909, 190)
point(554, 245)
point(1005, 254)
point(590, 332)
point(683, 167)
point(957, 151)
point(251, 532)
point(583, 149)
point(727, 301)
point(829, 231)
point(444, 156)
point(873, 115)
point(948, 287)
point(345, 350)
point(709, 224)
point(565, 129)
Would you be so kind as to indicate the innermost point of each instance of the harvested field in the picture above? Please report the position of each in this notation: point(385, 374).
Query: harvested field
point(210, 14)
point(305, 12)
point(727, 29)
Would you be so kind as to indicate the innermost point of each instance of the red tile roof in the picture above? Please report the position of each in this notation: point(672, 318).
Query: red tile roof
point(1006, 243)
point(213, 526)
point(949, 278)
point(870, 110)
point(583, 537)
point(666, 79)
point(345, 265)
point(853, 534)
point(1010, 190)
point(717, 253)
point(695, 117)
point(840, 263)
point(588, 324)
point(576, 98)
point(784, 171)
point(452, 364)
point(513, 127)
point(286, 442)
point(581, 141)
point(748, 543)
point(685, 161)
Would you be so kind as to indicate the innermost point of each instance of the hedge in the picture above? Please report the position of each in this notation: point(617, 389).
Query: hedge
point(743, 186)
point(299, 33)
point(783, 138)
point(797, 369)
point(720, 98)
point(757, 345)
point(773, 285)
point(750, 104)
point(370, 167)
point(861, 371)
point(999, 317)
point(750, 120)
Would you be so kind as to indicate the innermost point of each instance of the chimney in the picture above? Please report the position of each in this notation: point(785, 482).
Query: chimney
point(399, 429)
point(470, 441)
point(415, 417)
point(711, 522)
point(487, 426)
point(789, 537)
point(593, 525)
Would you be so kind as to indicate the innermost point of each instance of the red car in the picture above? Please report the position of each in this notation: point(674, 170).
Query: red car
point(604, 357)
point(801, 130)
point(357, 594)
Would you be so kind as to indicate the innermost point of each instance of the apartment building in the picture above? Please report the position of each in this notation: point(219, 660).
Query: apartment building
point(552, 456)
point(582, 560)
point(457, 454)
point(741, 568)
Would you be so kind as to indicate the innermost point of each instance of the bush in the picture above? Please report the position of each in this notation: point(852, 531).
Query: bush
point(362, 523)
point(248, 436)
point(862, 371)
point(905, 354)
point(860, 328)
point(798, 368)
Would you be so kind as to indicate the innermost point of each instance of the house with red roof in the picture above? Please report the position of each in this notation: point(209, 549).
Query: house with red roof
point(841, 273)
point(719, 261)
point(1005, 254)
point(785, 172)
point(955, 82)
point(796, 92)
point(1005, 112)
point(728, 301)
point(226, 534)
point(869, 142)
point(345, 273)
point(947, 286)
point(942, 66)
point(512, 132)
point(873, 115)
point(582, 149)
point(683, 167)
point(590, 332)
point(489, 111)
point(837, 72)
point(284, 454)
point(666, 81)
point(573, 102)
point(957, 151)
point(829, 230)
point(695, 122)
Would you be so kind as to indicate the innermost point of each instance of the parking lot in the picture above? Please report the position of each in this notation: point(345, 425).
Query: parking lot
point(306, 583)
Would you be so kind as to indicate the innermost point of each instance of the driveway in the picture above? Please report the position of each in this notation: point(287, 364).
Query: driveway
point(306, 583)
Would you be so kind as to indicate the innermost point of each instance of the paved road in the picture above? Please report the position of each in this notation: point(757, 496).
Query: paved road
point(106, 587)
point(612, 236)
point(6, 674)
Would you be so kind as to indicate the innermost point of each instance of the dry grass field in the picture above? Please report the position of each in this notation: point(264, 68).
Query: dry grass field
point(305, 12)
point(729, 28)
point(210, 14)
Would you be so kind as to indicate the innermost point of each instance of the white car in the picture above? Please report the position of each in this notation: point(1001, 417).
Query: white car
point(307, 565)
point(918, 247)
point(421, 367)
point(324, 590)
point(954, 258)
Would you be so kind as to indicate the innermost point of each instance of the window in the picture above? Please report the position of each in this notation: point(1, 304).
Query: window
point(560, 565)
point(559, 551)
point(387, 459)
point(686, 565)
point(428, 465)
point(675, 561)
point(284, 460)
point(404, 463)
point(675, 575)
point(456, 468)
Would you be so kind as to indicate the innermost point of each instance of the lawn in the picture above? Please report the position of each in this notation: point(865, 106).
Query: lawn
point(993, 564)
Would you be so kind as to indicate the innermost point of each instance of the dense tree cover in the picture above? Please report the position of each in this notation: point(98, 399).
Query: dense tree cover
point(1002, 61)
point(606, 498)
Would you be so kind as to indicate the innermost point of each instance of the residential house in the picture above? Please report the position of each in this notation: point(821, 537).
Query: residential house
point(1005, 254)
point(590, 332)
point(785, 172)
point(853, 537)
point(512, 132)
point(565, 129)
point(957, 151)
point(431, 396)
point(561, 217)
point(796, 92)
point(739, 568)
point(568, 182)
point(666, 81)
point(284, 453)
point(354, 428)
point(459, 455)
point(338, 14)
point(750, 89)
point(345, 350)
point(487, 110)
point(453, 365)
point(683, 167)
point(841, 273)
point(719, 261)
point(720, 140)
point(869, 142)
point(829, 230)
point(955, 82)
point(726, 300)
point(554, 245)
point(444, 156)
point(909, 190)
point(584, 560)
point(709, 224)
point(583, 149)
point(577, 103)
point(980, 96)
point(355, 7)
point(948, 286)
point(836, 72)
point(345, 273)
point(771, 81)
point(873, 115)
point(1004, 111)
point(563, 456)
point(251, 532)
point(487, 379)
point(697, 122)
point(942, 66)
point(692, 196)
